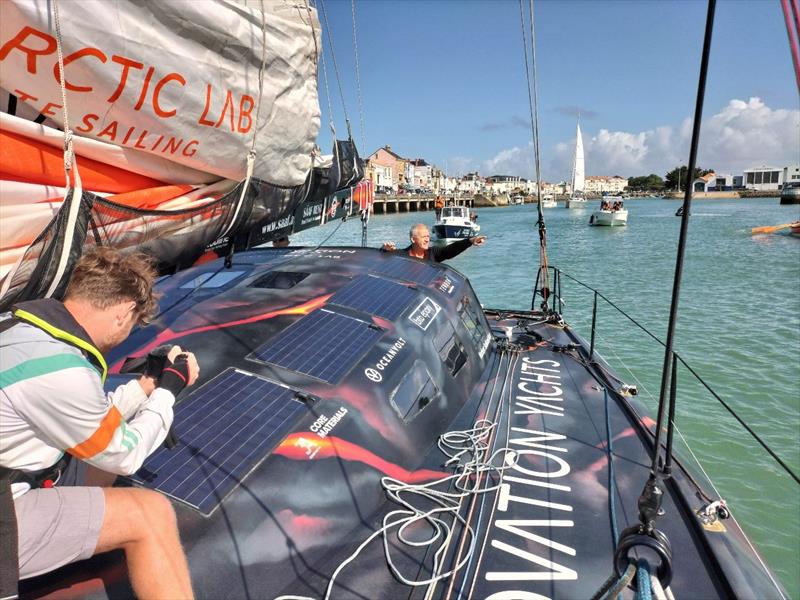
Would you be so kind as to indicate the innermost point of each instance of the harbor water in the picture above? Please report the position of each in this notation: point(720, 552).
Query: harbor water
point(738, 327)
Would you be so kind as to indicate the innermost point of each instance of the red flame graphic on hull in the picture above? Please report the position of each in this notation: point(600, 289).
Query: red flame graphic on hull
point(306, 445)
point(169, 335)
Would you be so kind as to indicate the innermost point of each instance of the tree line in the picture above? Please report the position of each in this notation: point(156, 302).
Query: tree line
point(674, 180)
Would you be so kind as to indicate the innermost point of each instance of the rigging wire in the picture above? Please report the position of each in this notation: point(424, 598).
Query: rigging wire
point(335, 69)
point(680, 359)
point(358, 80)
point(533, 107)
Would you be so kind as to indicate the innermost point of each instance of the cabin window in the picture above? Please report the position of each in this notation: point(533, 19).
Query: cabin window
point(471, 320)
point(212, 280)
point(414, 392)
point(450, 350)
point(279, 280)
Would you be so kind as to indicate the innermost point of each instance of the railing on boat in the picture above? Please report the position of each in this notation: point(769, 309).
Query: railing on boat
point(553, 301)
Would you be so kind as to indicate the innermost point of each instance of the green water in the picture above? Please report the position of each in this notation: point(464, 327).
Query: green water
point(739, 328)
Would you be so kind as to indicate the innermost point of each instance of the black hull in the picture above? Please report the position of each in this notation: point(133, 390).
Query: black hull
point(316, 495)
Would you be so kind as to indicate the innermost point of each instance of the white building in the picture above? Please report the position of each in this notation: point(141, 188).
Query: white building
point(505, 184)
point(471, 183)
point(381, 176)
point(764, 178)
point(791, 174)
point(717, 182)
point(598, 184)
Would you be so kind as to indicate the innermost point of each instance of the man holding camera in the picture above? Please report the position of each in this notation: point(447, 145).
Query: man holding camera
point(55, 419)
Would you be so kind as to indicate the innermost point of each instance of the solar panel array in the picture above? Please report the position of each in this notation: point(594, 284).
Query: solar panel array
point(376, 296)
point(408, 270)
point(323, 344)
point(225, 428)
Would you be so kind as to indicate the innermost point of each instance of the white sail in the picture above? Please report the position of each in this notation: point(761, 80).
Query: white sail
point(578, 174)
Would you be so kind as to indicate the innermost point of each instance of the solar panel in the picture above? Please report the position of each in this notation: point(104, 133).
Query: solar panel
point(322, 344)
point(226, 428)
point(376, 296)
point(409, 270)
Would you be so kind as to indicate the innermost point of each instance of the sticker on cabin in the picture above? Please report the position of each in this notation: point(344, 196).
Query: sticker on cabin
point(424, 314)
point(447, 286)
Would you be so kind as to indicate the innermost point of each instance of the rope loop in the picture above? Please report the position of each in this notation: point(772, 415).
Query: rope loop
point(656, 541)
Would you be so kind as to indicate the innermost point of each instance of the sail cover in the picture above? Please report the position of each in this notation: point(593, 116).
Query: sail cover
point(579, 175)
point(165, 100)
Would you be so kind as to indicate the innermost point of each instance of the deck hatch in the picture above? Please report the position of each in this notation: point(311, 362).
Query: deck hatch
point(376, 296)
point(323, 344)
point(226, 428)
point(407, 269)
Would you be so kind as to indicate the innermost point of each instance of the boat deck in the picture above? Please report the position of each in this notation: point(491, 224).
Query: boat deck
point(327, 371)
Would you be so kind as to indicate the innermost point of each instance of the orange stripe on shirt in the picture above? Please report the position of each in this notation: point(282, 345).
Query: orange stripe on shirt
point(100, 439)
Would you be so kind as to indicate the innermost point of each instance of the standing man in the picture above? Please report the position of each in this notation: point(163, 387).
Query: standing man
point(55, 418)
point(421, 249)
point(438, 204)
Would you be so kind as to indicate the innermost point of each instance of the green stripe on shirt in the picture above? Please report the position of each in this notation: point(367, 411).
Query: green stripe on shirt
point(41, 366)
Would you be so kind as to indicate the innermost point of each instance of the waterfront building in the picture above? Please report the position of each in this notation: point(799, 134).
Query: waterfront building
point(471, 183)
point(717, 182)
point(505, 184)
point(599, 184)
point(386, 157)
point(422, 173)
point(764, 178)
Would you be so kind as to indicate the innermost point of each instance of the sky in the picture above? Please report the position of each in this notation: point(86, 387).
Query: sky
point(444, 80)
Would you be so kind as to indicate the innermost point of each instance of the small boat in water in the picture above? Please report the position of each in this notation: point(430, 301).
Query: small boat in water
point(576, 198)
point(792, 229)
point(612, 213)
point(455, 223)
point(790, 194)
point(548, 201)
point(517, 200)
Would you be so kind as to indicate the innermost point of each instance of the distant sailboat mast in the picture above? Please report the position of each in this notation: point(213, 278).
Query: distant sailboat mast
point(578, 174)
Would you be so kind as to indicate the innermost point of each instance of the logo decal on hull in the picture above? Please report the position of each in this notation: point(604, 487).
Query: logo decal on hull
point(424, 314)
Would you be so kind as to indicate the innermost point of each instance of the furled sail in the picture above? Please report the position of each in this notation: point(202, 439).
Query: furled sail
point(578, 175)
point(193, 125)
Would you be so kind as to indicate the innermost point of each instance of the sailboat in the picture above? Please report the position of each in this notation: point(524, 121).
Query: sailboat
point(576, 198)
point(363, 427)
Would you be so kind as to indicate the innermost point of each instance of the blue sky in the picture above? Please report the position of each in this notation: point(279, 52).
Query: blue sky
point(444, 80)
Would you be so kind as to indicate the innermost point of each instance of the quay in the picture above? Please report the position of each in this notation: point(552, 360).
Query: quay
point(385, 204)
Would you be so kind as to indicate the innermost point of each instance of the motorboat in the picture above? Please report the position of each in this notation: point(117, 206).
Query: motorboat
point(790, 194)
point(611, 213)
point(455, 223)
point(548, 201)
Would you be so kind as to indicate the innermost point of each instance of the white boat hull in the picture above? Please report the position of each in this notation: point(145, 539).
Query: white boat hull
point(609, 218)
point(575, 203)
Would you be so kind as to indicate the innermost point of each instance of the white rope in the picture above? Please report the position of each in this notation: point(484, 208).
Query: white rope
point(74, 191)
point(464, 450)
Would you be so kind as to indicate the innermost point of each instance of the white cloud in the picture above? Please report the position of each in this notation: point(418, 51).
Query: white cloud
point(514, 161)
point(741, 135)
